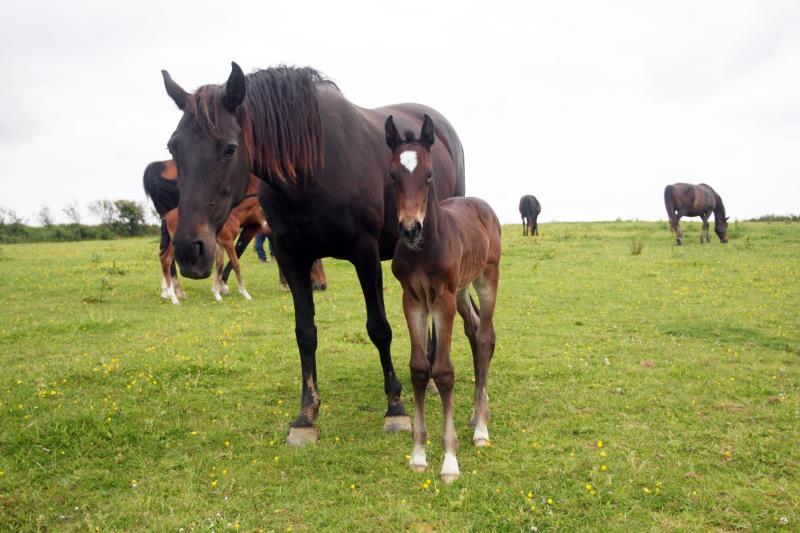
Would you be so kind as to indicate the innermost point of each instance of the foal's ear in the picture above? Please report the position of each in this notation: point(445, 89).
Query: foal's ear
point(426, 135)
point(726, 218)
point(392, 135)
point(235, 88)
point(174, 90)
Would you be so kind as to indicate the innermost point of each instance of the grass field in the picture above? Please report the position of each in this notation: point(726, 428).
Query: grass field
point(649, 392)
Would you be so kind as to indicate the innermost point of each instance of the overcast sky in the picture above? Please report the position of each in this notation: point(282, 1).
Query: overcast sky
point(591, 106)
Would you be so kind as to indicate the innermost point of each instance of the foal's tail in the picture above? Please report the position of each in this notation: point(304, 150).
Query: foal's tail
point(431, 344)
point(669, 203)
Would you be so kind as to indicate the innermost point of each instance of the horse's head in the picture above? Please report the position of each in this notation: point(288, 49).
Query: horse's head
point(209, 146)
point(411, 171)
point(721, 229)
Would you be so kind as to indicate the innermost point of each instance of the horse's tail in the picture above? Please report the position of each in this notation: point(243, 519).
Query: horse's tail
point(669, 203)
point(164, 193)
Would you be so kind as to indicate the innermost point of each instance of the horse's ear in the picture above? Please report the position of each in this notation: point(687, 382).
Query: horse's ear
point(426, 135)
point(726, 218)
point(175, 91)
point(392, 135)
point(235, 88)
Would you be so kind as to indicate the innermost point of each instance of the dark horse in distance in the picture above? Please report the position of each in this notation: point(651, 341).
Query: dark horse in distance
point(529, 208)
point(687, 200)
point(326, 192)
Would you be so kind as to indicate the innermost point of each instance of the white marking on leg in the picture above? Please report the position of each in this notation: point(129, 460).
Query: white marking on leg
point(244, 293)
point(409, 160)
point(418, 460)
point(450, 465)
point(224, 289)
point(481, 435)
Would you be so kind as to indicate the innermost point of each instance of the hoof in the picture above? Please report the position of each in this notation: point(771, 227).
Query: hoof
point(393, 424)
point(302, 436)
point(448, 479)
point(225, 289)
point(418, 468)
point(480, 442)
point(247, 296)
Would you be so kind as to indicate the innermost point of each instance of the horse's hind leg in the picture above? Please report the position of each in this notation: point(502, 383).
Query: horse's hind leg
point(536, 226)
point(468, 312)
point(676, 227)
point(229, 248)
point(370, 276)
point(524, 227)
point(486, 287)
point(704, 231)
point(167, 286)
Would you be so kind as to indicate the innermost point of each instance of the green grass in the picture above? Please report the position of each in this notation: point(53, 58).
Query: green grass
point(118, 412)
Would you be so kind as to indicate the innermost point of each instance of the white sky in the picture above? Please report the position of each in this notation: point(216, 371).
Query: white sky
point(592, 106)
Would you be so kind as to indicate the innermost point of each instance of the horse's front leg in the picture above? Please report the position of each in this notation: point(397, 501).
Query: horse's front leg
point(167, 283)
point(678, 232)
point(443, 311)
point(303, 430)
point(524, 227)
point(368, 268)
point(417, 320)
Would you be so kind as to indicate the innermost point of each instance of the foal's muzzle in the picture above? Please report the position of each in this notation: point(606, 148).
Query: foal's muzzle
point(410, 234)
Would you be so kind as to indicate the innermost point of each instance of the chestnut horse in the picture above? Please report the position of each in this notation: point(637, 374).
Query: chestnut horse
point(686, 200)
point(529, 208)
point(326, 193)
point(443, 249)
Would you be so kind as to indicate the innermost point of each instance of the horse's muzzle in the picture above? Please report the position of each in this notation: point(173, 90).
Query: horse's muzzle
point(195, 257)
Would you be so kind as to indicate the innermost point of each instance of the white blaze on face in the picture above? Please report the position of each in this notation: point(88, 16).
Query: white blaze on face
point(409, 160)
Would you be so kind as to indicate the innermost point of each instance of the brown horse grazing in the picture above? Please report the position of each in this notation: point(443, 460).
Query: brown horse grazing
point(529, 208)
point(326, 192)
point(686, 200)
point(443, 249)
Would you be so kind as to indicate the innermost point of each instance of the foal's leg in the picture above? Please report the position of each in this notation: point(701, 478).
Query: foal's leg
point(215, 287)
point(486, 287)
point(234, 261)
point(417, 321)
point(176, 280)
point(471, 320)
point(370, 275)
point(444, 311)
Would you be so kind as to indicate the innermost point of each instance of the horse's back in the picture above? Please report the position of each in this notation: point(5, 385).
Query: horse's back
point(529, 206)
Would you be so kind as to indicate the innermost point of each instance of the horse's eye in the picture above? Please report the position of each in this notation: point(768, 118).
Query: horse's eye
point(229, 151)
point(428, 177)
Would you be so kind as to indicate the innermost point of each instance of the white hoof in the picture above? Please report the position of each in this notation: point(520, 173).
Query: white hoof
point(302, 436)
point(418, 462)
point(392, 424)
point(217, 297)
point(245, 295)
point(481, 437)
point(450, 470)
point(224, 289)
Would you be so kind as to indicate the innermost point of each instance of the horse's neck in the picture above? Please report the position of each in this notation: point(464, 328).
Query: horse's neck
point(719, 208)
point(433, 217)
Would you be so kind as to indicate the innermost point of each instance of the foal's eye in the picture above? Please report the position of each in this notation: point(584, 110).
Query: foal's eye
point(428, 177)
point(229, 151)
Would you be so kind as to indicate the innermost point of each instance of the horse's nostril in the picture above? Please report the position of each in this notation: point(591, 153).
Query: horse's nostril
point(200, 248)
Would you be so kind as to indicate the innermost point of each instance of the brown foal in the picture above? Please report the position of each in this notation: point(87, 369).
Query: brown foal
point(443, 248)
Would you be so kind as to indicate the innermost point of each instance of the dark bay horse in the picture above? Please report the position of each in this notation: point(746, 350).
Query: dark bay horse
point(686, 200)
point(326, 192)
point(443, 249)
point(529, 208)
